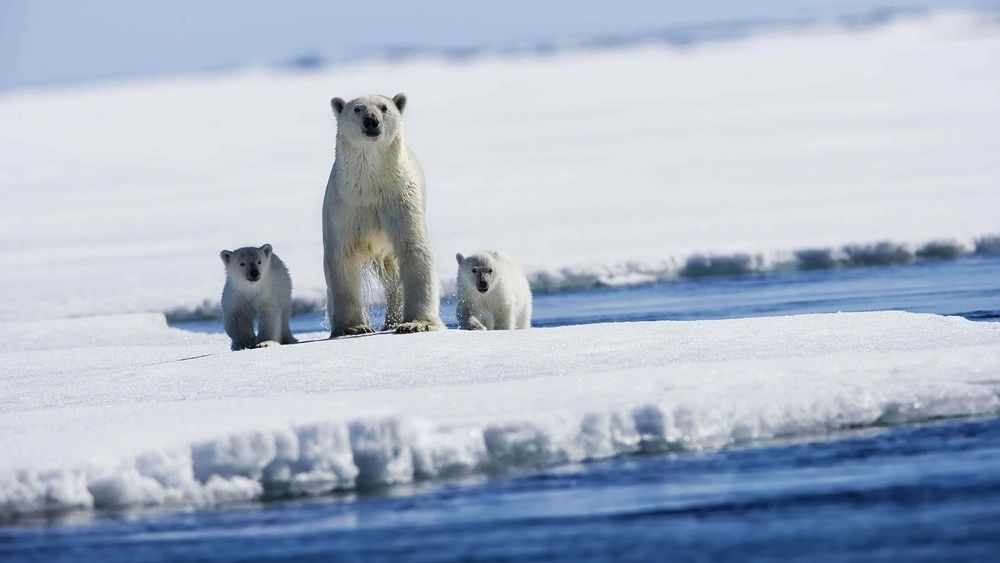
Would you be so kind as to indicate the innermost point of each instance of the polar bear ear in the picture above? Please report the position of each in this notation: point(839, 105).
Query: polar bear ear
point(225, 255)
point(338, 105)
point(460, 258)
point(400, 101)
point(266, 249)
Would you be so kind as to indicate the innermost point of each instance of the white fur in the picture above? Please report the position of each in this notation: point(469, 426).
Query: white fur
point(267, 301)
point(373, 214)
point(506, 304)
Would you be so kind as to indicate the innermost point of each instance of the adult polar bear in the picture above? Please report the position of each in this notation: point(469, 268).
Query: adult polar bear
point(374, 214)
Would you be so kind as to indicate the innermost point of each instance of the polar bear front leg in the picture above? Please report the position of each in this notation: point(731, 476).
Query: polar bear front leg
point(420, 292)
point(467, 320)
point(345, 307)
point(238, 321)
point(524, 317)
point(421, 305)
point(505, 320)
point(270, 325)
point(473, 323)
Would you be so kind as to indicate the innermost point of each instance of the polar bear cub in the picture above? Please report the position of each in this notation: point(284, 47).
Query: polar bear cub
point(258, 290)
point(493, 293)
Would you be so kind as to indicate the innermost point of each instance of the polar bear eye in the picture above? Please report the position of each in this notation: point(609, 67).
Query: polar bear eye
point(258, 262)
point(383, 108)
point(242, 264)
point(475, 270)
point(489, 271)
point(357, 109)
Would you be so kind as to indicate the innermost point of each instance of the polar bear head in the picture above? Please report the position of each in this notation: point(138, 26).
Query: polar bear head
point(248, 263)
point(369, 119)
point(477, 271)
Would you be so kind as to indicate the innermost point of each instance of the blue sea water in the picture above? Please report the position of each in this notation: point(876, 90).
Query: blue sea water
point(969, 287)
point(924, 493)
point(928, 492)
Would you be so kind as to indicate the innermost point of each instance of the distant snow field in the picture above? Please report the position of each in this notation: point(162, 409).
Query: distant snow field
point(611, 167)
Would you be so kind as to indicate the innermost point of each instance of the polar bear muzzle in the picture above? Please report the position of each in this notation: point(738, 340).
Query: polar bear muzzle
point(483, 278)
point(370, 125)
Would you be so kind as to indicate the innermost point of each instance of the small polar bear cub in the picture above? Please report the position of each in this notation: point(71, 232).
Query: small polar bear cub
point(493, 293)
point(258, 290)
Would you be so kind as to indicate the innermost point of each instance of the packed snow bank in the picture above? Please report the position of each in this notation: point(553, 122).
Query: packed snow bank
point(590, 168)
point(188, 424)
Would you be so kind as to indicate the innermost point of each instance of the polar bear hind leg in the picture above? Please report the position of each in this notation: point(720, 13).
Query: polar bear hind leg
point(388, 273)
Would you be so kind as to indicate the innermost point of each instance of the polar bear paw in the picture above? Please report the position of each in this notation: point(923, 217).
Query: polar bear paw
point(268, 344)
point(354, 330)
point(418, 326)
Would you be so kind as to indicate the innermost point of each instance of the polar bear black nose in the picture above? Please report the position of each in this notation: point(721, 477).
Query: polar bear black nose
point(370, 122)
point(482, 286)
point(253, 275)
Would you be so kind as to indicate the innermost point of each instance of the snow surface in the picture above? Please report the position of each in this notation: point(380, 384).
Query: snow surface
point(165, 417)
point(589, 167)
point(610, 167)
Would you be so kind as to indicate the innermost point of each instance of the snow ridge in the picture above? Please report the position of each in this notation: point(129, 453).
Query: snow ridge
point(677, 36)
point(369, 452)
point(700, 265)
point(694, 266)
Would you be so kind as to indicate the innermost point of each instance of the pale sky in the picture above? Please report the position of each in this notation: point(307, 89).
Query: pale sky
point(54, 41)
